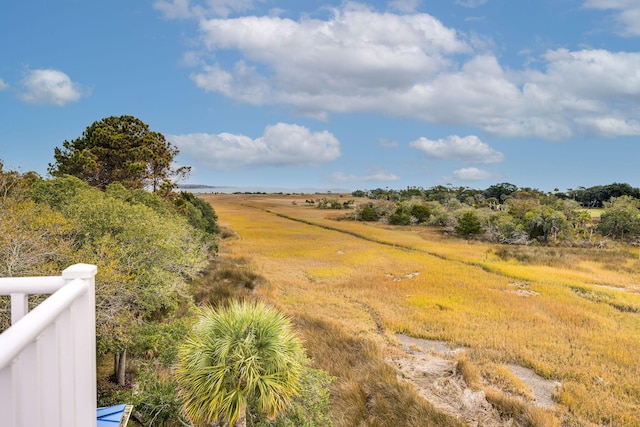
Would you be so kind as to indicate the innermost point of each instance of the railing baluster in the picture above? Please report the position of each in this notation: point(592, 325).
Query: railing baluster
point(19, 306)
point(28, 402)
point(48, 389)
point(65, 354)
point(7, 398)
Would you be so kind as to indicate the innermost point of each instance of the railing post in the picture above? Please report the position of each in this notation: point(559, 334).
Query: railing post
point(84, 325)
point(19, 307)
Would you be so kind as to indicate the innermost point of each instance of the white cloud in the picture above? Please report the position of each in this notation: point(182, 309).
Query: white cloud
point(281, 145)
point(468, 149)
point(472, 174)
point(3, 85)
point(411, 65)
point(579, 87)
point(592, 74)
point(174, 9)
point(386, 143)
point(406, 6)
point(349, 63)
point(626, 14)
point(373, 175)
point(180, 9)
point(610, 126)
point(49, 87)
point(471, 3)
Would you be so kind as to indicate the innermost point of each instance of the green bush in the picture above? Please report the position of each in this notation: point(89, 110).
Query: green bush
point(308, 409)
point(468, 224)
point(157, 402)
point(420, 212)
point(369, 213)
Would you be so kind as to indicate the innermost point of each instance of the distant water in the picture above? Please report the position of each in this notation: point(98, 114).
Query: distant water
point(212, 189)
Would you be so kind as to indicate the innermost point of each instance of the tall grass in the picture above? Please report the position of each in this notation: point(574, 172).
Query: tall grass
point(366, 391)
point(573, 320)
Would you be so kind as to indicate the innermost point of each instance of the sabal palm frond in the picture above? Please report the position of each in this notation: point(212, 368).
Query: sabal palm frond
point(238, 356)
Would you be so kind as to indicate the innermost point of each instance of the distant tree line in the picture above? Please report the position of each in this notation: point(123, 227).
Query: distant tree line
point(505, 213)
point(592, 197)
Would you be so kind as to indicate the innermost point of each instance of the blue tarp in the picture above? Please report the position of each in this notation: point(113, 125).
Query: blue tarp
point(110, 416)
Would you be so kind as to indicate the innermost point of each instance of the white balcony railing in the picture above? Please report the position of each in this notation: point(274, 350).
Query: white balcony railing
point(48, 355)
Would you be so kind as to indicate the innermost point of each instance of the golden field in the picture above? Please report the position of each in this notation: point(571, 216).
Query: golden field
point(571, 315)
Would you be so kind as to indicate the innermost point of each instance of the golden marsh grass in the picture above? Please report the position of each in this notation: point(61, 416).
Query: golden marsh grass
point(570, 315)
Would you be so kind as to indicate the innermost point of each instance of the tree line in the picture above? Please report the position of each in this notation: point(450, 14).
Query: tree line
point(592, 197)
point(505, 213)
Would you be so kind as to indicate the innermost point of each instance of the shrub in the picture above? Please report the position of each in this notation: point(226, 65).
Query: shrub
point(310, 408)
point(468, 224)
point(369, 213)
point(420, 212)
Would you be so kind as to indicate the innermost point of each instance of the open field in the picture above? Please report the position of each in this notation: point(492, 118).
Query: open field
point(569, 315)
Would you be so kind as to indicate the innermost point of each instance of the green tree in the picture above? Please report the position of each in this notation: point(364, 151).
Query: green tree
point(119, 149)
point(420, 212)
point(367, 212)
point(33, 238)
point(544, 221)
point(144, 258)
point(199, 213)
point(504, 228)
point(238, 357)
point(401, 215)
point(468, 224)
point(621, 216)
point(500, 191)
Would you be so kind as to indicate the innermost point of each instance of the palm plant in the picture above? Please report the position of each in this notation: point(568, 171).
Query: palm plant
point(240, 356)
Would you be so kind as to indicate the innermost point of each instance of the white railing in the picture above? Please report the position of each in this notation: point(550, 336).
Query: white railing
point(48, 355)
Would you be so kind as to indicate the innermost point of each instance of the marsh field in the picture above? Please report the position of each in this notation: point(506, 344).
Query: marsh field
point(419, 328)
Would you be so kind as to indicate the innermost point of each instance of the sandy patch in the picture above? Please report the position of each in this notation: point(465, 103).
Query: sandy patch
point(430, 366)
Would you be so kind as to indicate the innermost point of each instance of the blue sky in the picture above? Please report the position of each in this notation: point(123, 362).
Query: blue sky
point(336, 95)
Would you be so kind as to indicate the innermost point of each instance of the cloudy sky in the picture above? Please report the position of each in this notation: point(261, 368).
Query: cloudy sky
point(328, 94)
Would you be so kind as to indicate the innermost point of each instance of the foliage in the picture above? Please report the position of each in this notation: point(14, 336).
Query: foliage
point(158, 402)
point(325, 203)
point(159, 341)
point(621, 216)
point(543, 221)
point(241, 356)
point(13, 184)
point(34, 239)
point(137, 196)
point(504, 228)
point(401, 215)
point(597, 196)
point(119, 149)
point(309, 408)
point(500, 191)
point(367, 212)
point(468, 224)
point(199, 213)
point(144, 255)
point(512, 215)
point(421, 213)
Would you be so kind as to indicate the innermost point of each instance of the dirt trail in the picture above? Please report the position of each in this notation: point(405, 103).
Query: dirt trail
point(430, 366)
